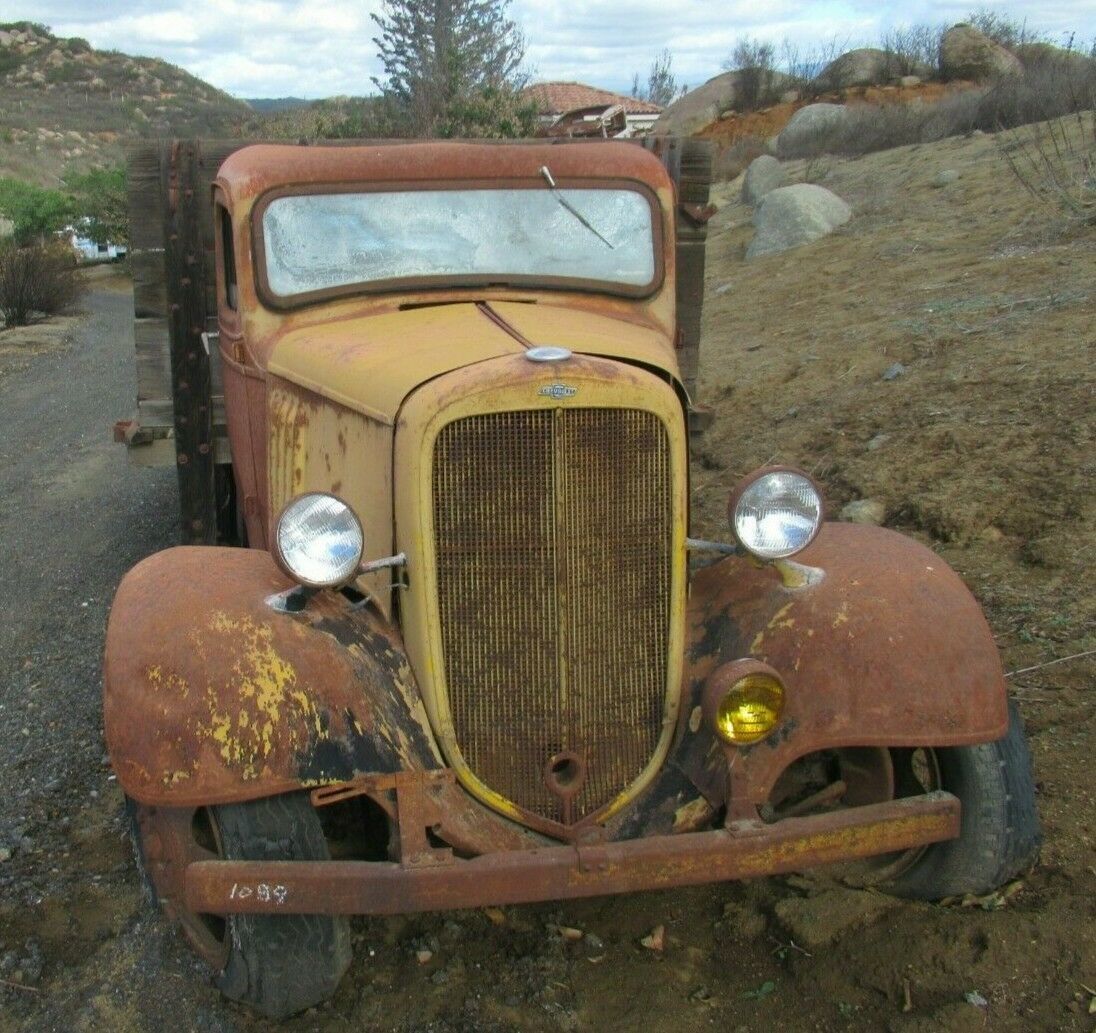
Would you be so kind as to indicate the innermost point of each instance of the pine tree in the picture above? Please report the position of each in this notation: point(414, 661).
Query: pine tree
point(452, 68)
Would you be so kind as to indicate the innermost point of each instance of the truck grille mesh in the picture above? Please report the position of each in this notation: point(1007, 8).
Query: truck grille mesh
point(553, 542)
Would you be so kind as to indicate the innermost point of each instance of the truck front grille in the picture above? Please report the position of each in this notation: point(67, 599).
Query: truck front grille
point(554, 561)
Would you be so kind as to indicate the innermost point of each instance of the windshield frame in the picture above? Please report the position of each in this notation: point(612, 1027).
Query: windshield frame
point(416, 284)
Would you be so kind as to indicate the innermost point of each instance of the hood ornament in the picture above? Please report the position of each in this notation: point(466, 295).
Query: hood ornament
point(548, 353)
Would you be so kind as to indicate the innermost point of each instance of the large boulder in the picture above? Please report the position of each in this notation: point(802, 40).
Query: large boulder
point(810, 128)
point(704, 105)
point(697, 108)
point(966, 53)
point(764, 175)
point(791, 216)
point(867, 66)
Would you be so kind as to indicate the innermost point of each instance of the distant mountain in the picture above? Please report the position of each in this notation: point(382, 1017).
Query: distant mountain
point(270, 105)
point(65, 105)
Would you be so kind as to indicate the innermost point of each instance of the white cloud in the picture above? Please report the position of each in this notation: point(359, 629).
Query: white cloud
point(280, 47)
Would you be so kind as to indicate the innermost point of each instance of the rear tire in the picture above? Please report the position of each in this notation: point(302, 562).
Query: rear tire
point(999, 828)
point(279, 964)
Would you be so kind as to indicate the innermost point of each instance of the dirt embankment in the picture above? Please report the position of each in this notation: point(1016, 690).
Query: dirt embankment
point(767, 122)
point(982, 447)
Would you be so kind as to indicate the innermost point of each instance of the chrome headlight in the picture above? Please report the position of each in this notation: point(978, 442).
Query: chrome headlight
point(776, 513)
point(318, 541)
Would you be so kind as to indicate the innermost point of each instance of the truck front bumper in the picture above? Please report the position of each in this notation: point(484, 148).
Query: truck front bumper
point(439, 881)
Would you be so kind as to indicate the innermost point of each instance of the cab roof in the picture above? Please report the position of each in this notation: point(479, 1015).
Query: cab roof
point(253, 171)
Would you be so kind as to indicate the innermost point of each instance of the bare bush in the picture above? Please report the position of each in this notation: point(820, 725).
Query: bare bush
point(37, 281)
point(1056, 163)
point(804, 67)
point(755, 62)
point(913, 49)
point(1001, 28)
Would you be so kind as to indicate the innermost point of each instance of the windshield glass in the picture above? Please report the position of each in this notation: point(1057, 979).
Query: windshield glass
point(317, 242)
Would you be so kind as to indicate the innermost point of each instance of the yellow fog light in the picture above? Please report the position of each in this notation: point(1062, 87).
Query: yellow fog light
point(744, 701)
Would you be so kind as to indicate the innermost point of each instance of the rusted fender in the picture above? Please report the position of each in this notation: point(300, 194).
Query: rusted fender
point(210, 696)
point(881, 644)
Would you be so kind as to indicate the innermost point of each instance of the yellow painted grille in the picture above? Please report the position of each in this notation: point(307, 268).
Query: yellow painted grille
point(553, 541)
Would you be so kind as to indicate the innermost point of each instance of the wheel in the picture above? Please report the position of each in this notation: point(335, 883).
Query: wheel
point(999, 833)
point(999, 827)
point(278, 964)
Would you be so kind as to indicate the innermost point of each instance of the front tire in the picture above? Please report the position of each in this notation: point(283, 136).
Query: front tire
point(277, 964)
point(999, 828)
point(280, 964)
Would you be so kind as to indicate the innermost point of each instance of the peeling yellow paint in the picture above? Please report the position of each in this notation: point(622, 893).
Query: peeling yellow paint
point(167, 683)
point(263, 707)
point(780, 619)
point(842, 616)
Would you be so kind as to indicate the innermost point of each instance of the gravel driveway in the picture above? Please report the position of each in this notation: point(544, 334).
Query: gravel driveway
point(73, 518)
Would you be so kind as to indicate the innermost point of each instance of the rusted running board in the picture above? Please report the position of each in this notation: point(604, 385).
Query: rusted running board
point(556, 873)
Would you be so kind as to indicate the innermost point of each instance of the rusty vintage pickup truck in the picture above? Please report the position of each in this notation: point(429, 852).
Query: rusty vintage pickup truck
point(471, 654)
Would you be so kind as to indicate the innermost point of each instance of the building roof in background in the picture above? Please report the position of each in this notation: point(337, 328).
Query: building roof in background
point(559, 97)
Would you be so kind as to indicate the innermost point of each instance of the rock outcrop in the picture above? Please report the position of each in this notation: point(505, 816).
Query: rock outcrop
point(702, 106)
point(808, 127)
point(966, 53)
point(866, 66)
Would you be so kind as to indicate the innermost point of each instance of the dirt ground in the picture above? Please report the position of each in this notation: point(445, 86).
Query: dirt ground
point(981, 446)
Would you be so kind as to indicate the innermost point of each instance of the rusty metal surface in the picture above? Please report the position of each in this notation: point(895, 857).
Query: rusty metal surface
point(557, 873)
point(553, 531)
point(210, 696)
point(168, 844)
point(880, 644)
point(253, 171)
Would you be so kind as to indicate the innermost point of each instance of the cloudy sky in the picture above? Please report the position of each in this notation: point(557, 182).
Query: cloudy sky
point(275, 48)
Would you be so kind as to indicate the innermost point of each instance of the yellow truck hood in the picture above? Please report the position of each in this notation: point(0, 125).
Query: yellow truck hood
point(372, 363)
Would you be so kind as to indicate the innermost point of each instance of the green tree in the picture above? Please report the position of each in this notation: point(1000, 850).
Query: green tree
point(100, 197)
point(452, 68)
point(36, 212)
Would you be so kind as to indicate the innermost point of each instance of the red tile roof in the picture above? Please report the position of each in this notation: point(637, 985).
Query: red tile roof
point(556, 98)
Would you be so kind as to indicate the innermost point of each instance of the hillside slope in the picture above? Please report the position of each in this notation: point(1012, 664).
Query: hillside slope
point(66, 105)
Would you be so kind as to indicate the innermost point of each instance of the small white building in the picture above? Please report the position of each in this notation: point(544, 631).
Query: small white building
point(88, 249)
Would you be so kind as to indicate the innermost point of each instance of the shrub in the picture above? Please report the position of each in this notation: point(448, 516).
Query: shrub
point(755, 62)
point(35, 211)
point(913, 49)
point(37, 281)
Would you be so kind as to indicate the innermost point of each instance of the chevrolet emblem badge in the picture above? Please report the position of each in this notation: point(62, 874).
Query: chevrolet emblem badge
point(558, 391)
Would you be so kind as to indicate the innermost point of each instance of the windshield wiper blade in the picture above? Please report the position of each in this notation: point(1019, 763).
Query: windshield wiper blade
point(547, 174)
